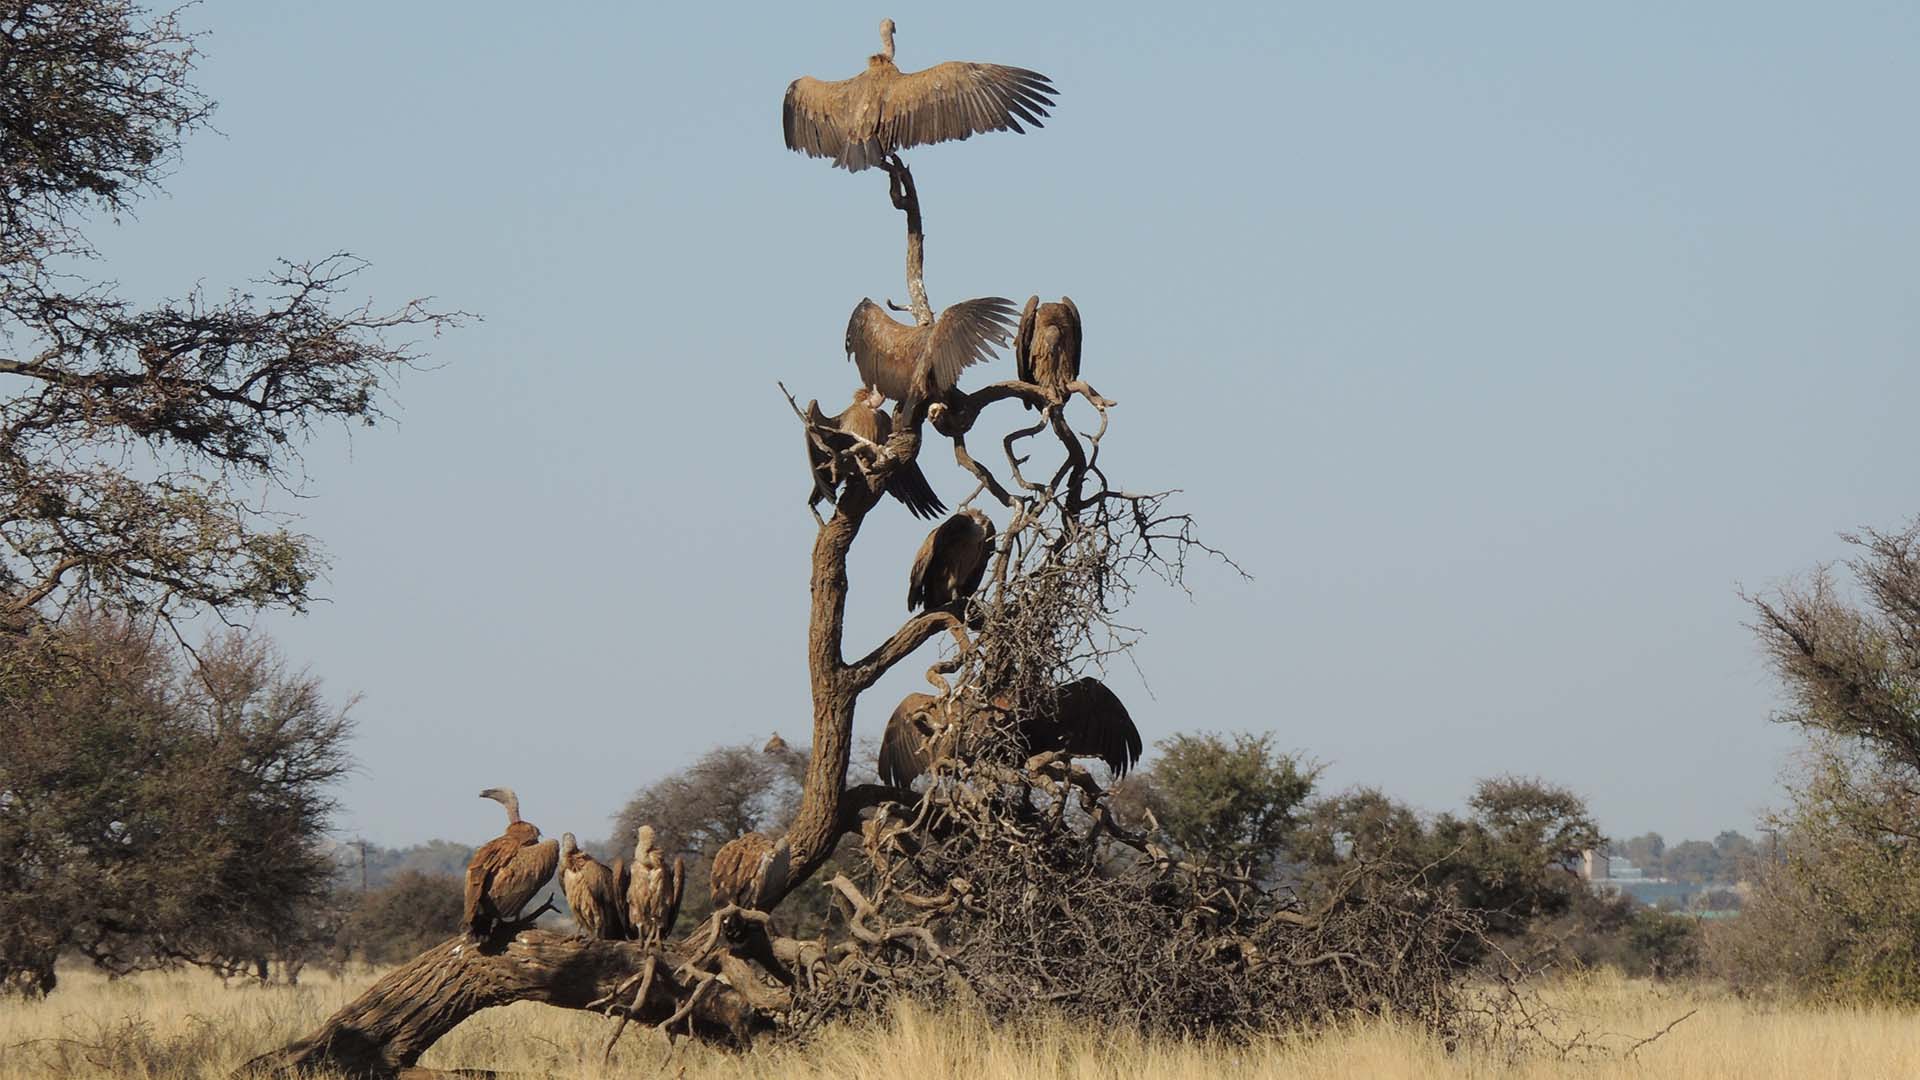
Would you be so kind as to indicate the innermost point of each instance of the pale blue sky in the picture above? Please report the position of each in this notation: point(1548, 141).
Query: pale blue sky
point(1501, 343)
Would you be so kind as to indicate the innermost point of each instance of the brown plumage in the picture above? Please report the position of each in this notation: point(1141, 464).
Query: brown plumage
point(859, 121)
point(866, 420)
point(951, 561)
point(1047, 346)
point(910, 742)
point(598, 909)
point(1084, 720)
point(748, 870)
point(653, 896)
point(886, 350)
point(507, 870)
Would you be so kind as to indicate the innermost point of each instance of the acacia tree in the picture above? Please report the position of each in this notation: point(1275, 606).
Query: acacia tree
point(134, 443)
point(132, 439)
point(155, 812)
point(1839, 911)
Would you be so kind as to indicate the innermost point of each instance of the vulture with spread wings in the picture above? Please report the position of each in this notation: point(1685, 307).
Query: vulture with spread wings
point(887, 351)
point(951, 561)
point(1084, 720)
point(865, 419)
point(507, 870)
point(859, 121)
point(1047, 346)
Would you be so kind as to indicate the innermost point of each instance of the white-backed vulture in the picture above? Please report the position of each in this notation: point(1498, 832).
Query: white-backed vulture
point(507, 870)
point(865, 419)
point(1085, 720)
point(749, 870)
point(1047, 346)
point(598, 909)
point(859, 121)
point(887, 350)
point(951, 561)
point(653, 895)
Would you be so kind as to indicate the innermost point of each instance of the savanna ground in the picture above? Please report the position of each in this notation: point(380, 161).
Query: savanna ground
point(187, 1025)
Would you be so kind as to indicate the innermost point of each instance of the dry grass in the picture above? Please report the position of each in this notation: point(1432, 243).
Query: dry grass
point(186, 1025)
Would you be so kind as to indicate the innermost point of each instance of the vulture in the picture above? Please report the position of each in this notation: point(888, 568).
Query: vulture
point(887, 350)
point(858, 122)
point(598, 909)
point(1086, 720)
point(653, 895)
point(748, 870)
point(951, 562)
point(507, 870)
point(865, 419)
point(1047, 346)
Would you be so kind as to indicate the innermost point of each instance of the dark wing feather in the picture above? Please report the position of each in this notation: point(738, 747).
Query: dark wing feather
point(1094, 723)
point(904, 749)
point(622, 884)
point(1073, 354)
point(909, 485)
point(967, 333)
point(1023, 342)
point(925, 566)
point(956, 100)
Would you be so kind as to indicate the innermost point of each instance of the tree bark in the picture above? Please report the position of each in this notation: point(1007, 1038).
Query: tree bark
point(386, 1029)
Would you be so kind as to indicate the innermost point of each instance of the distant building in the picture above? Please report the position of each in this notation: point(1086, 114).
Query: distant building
point(1616, 876)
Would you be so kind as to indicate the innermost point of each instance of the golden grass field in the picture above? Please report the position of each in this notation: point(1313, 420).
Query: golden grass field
point(187, 1025)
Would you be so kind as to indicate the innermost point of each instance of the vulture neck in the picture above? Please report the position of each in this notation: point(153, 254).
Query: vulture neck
point(885, 55)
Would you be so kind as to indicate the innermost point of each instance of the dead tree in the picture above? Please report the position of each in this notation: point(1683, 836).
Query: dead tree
point(1061, 570)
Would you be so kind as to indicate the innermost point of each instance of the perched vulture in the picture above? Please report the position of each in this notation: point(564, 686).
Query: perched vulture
point(907, 746)
point(887, 350)
point(653, 896)
point(859, 121)
point(507, 870)
point(1047, 346)
point(951, 562)
point(866, 420)
point(598, 909)
point(1086, 720)
point(748, 870)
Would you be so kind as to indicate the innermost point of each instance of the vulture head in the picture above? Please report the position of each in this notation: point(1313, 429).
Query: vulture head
point(642, 844)
point(567, 845)
point(505, 797)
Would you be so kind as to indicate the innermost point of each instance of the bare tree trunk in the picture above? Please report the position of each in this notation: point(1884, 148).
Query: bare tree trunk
point(388, 1028)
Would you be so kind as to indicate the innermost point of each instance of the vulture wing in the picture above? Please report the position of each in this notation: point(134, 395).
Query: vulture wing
point(956, 99)
point(1023, 342)
point(1073, 338)
point(905, 749)
point(887, 351)
point(859, 121)
point(818, 116)
point(674, 886)
point(734, 867)
point(486, 863)
point(1093, 723)
point(964, 335)
point(908, 484)
point(622, 882)
point(929, 565)
point(525, 874)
